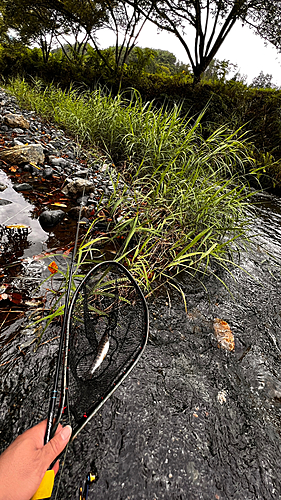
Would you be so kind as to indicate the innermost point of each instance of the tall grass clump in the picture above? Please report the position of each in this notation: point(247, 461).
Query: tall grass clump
point(185, 201)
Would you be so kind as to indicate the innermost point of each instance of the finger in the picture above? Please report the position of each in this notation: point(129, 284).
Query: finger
point(56, 467)
point(37, 434)
point(56, 445)
point(59, 428)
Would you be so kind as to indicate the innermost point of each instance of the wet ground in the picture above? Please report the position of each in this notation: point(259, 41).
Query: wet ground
point(192, 421)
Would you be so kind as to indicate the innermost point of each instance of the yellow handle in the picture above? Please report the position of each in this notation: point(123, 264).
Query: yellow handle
point(46, 486)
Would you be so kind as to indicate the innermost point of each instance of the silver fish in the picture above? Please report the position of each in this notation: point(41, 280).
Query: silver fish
point(101, 354)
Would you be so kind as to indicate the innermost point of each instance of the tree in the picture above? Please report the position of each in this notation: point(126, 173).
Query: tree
point(263, 81)
point(218, 70)
point(37, 21)
point(211, 20)
point(33, 23)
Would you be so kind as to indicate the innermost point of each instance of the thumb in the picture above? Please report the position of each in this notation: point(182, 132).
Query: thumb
point(56, 445)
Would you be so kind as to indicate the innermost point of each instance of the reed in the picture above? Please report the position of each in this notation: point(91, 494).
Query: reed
point(187, 197)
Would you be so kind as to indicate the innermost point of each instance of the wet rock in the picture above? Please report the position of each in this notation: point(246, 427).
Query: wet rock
point(59, 162)
point(31, 153)
point(83, 200)
point(82, 173)
point(18, 131)
point(74, 212)
point(27, 168)
point(48, 172)
point(16, 121)
point(23, 187)
point(51, 218)
point(3, 187)
point(4, 202)
point(78, 187)
point(18, 143)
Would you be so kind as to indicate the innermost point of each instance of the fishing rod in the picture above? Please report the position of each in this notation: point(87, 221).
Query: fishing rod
point(46, 486)
point(51, 426)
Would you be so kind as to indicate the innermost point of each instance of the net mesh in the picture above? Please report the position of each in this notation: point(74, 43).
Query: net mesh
point(107, 331)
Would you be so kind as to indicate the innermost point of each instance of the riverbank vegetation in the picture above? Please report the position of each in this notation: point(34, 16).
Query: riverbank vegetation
point(159, 77)
point(187, 139)
point(186, 197)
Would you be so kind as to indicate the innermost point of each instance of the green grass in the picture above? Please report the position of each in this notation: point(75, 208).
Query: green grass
point(188, 195)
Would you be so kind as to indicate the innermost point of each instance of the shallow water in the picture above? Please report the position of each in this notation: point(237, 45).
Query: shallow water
point(192, 421)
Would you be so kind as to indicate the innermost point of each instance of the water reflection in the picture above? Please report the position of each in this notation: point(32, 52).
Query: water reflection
point(19, 211)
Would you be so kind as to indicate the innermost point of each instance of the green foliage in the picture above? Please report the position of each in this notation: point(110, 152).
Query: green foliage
point(263, 81)
point(231, 101)
point(217, 71)
point(156, 61)
point(183, 205)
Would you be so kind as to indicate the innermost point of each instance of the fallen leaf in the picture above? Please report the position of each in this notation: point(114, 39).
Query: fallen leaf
point(33, 303)
point(57, 204)
point(17, 226)
point(53, 267)
point(224, 334)
point(16, 298)
point(13, 169)
point(68, 251)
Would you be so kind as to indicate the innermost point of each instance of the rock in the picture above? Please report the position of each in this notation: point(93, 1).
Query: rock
point(78, 187)
point(82, 173)
point(74, 212)
point(14, 121)
point(18, 130)
point(27, 168)
point(4, 202)
point(83, 200)
point(18, 143)
point(48, 172)
point(3, 187)
point(59, 162)
point(22, 187)
point(51, 218)
point(31, 153)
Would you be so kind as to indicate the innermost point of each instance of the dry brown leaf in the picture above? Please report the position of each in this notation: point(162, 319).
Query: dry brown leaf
point(224, 335)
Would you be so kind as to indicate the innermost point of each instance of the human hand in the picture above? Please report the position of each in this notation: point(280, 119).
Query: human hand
point(24, 463)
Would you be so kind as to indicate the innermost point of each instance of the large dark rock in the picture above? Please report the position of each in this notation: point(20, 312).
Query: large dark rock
point(51, 218)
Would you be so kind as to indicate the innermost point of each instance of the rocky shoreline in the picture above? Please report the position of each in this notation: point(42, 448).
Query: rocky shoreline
point(41, 151)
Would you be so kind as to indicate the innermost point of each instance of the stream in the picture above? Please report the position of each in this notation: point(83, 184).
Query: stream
point(192, 421)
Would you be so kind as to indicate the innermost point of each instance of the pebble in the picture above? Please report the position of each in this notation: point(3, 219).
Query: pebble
point(4, 202)
point(22, 187)
point(63, 159)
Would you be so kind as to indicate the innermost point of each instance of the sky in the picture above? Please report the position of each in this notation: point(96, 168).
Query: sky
point(241, 47)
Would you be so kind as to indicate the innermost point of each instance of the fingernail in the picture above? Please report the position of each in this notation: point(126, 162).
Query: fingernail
point(66, 432)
